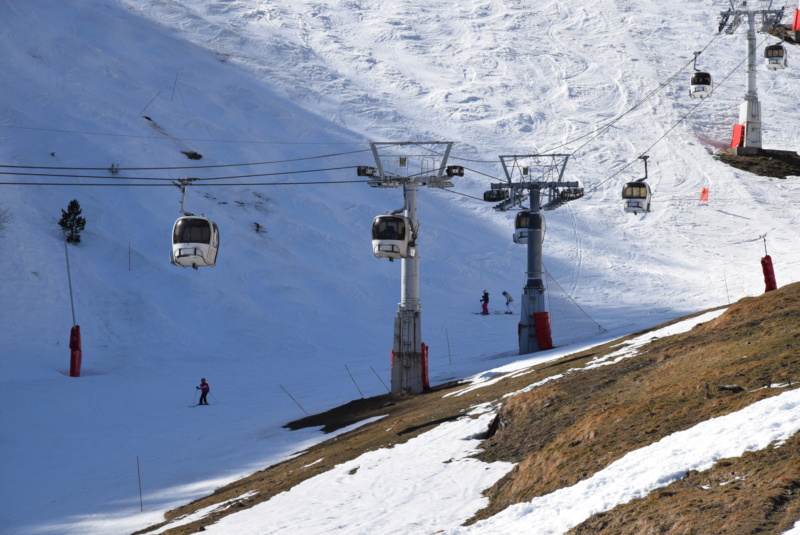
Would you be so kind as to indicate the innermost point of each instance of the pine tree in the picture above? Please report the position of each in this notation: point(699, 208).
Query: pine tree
point(72, 222)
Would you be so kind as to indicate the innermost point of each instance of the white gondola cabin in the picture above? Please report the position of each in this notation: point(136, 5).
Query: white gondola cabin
point(195, 242)
point(521, 227)
point(700, 84)
point(775, 57)
point(636, 197)
point(393, 237)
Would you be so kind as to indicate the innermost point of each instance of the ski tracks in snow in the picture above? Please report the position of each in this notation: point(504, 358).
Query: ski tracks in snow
point(513, 78)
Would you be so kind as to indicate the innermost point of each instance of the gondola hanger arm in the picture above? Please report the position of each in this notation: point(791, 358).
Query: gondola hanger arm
point(644, 157)
point(182, 183)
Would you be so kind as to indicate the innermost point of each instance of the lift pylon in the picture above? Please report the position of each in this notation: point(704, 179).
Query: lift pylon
point(535, 177)
point(420, 164)
point(747, 133)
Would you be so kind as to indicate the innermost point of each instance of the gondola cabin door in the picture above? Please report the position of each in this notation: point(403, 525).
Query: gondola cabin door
point(195, 242)
point(392, 237)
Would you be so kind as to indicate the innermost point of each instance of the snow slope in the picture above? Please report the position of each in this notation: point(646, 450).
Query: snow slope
point(134, 83)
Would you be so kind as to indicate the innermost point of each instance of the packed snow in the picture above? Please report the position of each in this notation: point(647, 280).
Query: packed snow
point(289, 92)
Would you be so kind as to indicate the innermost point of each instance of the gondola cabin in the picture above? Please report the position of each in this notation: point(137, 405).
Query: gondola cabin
point(700, 85)
point(775, 57)
point(521, 227)
point(495, 195)
point(636, 197)
point(195, 242)
point(393, 237)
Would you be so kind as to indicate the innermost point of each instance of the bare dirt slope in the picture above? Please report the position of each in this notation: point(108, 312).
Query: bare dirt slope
point(568, 429)
point(769, 163)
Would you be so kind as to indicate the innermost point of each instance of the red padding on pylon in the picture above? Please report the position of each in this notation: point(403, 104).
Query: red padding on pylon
point(76, 355)
point(704, 194)
point(796, 24)
point(543, 335)
point(738, 136)
point(426, 385)
point(769, 274)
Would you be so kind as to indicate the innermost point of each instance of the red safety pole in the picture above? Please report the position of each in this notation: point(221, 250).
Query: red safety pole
point(767, 268)
point(543, 334)
point(391, 368)
point(426, 385)
point(738, 136)
point(75, 355)
point(769, 274)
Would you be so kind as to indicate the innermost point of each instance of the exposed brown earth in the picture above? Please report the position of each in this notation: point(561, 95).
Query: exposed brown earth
point(581, 423)
point(776, 165)
point(755, 493)
point(571, 427)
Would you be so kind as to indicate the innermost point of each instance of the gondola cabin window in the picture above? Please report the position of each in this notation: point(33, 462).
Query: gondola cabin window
point(189, 230)
point(774, 52)
point(521, 221)
point(386, 228)
point(635, 191)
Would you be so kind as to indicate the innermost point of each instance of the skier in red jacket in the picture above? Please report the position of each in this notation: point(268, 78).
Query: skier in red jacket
point(204, 389)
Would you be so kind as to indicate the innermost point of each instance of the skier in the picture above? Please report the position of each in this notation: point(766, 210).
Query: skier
point(485, 301)
point(204, 390)
point(509, 300)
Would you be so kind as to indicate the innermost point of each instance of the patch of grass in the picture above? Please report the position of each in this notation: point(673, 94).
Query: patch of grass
point(755, 493)
point(567, 430)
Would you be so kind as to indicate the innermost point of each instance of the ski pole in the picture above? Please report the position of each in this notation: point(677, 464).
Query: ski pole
point(194, 398)
point(215, 397)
